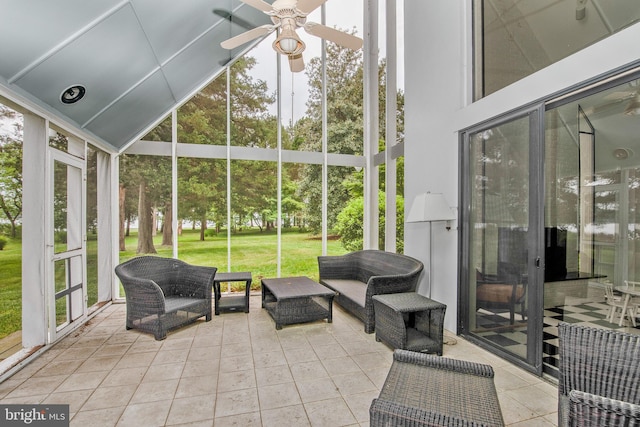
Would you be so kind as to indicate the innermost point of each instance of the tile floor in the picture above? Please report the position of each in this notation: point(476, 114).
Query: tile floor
point(238, 370)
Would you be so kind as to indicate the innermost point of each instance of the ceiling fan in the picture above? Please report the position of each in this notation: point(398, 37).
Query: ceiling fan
point(631, 98)
point(288, 15)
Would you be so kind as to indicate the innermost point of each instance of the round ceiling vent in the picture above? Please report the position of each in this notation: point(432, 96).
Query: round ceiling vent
point(72, 94)
point(622, 153)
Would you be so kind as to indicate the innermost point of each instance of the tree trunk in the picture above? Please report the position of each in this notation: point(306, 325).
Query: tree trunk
point(121, 198)
point(167, 226)
point(145, 222)
point(203, 227)
point(180, 228)
point(154, 229)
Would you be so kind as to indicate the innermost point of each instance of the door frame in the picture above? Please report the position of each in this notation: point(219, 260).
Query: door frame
point(535, 238)
point(53, 331)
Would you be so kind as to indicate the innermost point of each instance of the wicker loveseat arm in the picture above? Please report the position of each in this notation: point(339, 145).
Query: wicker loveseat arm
point(147, 294)
point(391, 284)
point(195, 281)
point(591, 410)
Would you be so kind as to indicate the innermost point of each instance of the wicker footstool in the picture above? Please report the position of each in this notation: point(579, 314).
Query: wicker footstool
point(296, 300)
point(409, 321)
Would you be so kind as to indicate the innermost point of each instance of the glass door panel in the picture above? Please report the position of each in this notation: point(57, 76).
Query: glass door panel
point(499, 229)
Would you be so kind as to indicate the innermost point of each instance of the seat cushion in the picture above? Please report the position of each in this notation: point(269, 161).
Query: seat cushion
point(498, 292)
point(355, 290)
point(173, 304)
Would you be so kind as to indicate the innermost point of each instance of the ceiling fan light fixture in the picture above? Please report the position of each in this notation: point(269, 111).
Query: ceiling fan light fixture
point(288, 42)
point(633, 109)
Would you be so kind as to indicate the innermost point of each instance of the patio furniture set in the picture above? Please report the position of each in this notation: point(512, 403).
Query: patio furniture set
point(599, 369)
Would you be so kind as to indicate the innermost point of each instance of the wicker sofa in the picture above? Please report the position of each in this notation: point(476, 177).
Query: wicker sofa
point(164, 293)
point(360, 275)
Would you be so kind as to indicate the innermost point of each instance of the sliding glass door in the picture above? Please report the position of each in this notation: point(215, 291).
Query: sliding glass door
point(551, 201)
point(501, 236)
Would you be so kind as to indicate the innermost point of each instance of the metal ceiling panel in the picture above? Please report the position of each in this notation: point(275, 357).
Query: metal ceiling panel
point(138, 59)
point(35, 28)
point(108, 60)
point(195, 65)
point(132, 113)
point(187, 21)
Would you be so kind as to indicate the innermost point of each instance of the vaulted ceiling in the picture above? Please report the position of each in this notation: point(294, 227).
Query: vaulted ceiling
point(137, 59)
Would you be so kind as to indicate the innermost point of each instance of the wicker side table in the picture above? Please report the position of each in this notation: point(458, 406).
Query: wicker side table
point(232, 302)
point(410, 321)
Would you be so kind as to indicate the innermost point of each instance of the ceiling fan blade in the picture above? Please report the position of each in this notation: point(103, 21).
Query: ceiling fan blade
point(247, 36)
point(338, 37)
point(616, 96)
point(259, 4)
point(308, 6)
point(296, 63)
point(234, 19)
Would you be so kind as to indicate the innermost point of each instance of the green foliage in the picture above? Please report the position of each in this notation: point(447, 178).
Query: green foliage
point(3, 243)
point(10, 179)
point(345, 126)
point(350, 223)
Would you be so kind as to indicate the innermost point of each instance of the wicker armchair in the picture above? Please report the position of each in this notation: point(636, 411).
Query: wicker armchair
point(590, 410)
point(164, 293)
point(600, 362)
point(427, 390)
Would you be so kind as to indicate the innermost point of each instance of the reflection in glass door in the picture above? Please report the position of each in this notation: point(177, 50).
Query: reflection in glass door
point(67, 289)
point(498, 279)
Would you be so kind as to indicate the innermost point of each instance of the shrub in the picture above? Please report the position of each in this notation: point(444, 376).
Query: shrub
point(60, 237)
point(3, 242)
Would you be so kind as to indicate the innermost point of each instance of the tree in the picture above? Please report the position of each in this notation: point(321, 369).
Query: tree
point(146, 180)
point(11, 181)
point(345, 127)
point(202, 186)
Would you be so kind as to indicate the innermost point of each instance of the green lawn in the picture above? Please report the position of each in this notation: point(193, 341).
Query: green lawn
point(251, 250)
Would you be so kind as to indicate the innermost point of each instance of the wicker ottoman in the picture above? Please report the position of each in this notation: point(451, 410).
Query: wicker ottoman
point(427, 390)
point(409, 321)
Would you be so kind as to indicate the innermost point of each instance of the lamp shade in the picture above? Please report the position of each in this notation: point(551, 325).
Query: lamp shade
point(428, 207)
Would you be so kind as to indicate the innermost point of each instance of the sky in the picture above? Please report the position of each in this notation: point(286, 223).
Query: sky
point(342, 14)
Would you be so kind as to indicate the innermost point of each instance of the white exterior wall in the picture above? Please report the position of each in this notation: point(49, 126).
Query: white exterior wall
point(438, 71)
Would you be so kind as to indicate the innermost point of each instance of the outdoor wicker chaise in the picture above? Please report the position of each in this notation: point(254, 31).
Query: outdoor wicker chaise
point(428, 390)
point(164, 293)
point(360, 275)
point(603, 365)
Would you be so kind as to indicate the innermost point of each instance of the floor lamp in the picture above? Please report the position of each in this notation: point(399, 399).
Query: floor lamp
point(430, 207)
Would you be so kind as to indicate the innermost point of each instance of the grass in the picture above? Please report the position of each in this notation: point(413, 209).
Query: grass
point(251, 250)
point(11, 288)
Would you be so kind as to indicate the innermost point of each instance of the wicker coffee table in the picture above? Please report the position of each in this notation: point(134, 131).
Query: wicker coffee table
point(296, 300)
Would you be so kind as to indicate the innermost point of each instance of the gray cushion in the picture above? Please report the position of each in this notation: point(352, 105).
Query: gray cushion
point(355, 290)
